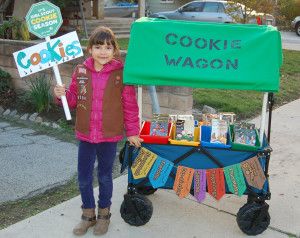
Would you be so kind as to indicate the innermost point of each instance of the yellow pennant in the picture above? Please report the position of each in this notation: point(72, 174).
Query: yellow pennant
point(143, 163)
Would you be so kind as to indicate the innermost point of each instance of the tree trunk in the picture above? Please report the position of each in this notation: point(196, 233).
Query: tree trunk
point(3, 8)
point(98, 9)
point(21, 8)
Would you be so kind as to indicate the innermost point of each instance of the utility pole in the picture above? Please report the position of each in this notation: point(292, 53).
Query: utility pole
point(142, 8)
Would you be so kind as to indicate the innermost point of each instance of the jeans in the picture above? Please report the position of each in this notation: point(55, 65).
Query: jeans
point(106, 153)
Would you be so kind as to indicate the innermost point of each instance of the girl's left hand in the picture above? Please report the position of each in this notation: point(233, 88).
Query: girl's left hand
point(135, 141)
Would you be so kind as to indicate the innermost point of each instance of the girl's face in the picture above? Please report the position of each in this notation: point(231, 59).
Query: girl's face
point(101, 54)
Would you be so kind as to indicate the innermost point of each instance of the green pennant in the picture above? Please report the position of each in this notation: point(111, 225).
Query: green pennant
point(235, 179)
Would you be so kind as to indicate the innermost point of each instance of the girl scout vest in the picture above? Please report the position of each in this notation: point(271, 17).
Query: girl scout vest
point(112, 109)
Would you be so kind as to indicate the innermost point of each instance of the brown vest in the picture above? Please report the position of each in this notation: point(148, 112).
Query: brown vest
point(112, 108)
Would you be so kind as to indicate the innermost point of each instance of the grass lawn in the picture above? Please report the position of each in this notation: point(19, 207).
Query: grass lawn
point(247, 104)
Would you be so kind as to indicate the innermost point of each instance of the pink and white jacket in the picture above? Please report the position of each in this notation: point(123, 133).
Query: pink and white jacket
point(99, 81)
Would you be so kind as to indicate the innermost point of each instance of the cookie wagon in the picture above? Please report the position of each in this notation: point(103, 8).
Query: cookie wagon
point(205, 55)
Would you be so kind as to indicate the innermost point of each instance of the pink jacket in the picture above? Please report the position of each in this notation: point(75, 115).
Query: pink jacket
point(99, 80)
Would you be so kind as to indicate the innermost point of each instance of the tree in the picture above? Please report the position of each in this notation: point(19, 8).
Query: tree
point(288, 10)
point(4, 4)
point(249, 9)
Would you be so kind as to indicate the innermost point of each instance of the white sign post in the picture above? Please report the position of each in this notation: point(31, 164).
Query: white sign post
point(43, 20)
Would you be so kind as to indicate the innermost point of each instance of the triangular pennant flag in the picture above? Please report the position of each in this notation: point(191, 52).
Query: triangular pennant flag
point(200, 184)
point(160, 172)
point(215, 183)
point(183, 181)
point(253, 172)
point(143, 163)
point(235, 179)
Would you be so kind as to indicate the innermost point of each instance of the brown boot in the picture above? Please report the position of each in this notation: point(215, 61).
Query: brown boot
point(88, 219)
point(103, 220)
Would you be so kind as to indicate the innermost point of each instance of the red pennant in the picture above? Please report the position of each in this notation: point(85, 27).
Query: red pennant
point(215, 183)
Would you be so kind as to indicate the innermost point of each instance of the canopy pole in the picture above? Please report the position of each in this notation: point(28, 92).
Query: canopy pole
point(263, 118)
point(140, 103)
point(141, 7)
point(154, 99)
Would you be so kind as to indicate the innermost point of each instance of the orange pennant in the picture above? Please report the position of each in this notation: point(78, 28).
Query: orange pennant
point(215, 183)
point(183, 181)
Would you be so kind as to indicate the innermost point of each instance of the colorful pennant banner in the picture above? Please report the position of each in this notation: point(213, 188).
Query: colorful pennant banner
point(235, 179)
point(200, 184)
point(253, 172)
point(215, 183)
point(160, 172)
point(211, 179)
point(183, 181)
point(143, 163)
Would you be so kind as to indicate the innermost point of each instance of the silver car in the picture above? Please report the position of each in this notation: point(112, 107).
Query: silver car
point(214, 11)
point(208, 11)
point(296, 25)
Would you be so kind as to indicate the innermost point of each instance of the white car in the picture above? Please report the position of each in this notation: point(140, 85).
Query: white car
point(296, 25)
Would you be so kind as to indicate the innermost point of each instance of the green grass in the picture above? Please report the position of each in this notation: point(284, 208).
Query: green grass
point(123, 43)
point(247, 104)
point(12, 212)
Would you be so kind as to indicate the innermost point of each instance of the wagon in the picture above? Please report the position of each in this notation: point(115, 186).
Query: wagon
point(205, 55)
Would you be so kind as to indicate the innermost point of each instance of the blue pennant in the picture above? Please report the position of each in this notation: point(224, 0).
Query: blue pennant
point(160, 172)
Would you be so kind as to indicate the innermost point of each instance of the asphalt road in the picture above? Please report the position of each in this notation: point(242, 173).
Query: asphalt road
point(290, 41)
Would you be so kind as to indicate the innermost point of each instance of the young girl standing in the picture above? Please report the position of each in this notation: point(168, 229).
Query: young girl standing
point(104, 108)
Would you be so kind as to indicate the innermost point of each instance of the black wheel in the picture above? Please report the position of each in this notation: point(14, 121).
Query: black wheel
point(136, 210)
point(122, 154)
point(297, 28)
point(148, 190)
point(253, 218)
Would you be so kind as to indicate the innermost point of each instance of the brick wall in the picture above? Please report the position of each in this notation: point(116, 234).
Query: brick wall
point(172, 100)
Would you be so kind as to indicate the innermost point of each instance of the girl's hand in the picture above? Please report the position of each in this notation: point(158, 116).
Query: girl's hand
point(59, 90)
point(135, 141)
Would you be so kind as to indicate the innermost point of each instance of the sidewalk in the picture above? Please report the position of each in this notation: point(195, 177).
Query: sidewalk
point(173, 217)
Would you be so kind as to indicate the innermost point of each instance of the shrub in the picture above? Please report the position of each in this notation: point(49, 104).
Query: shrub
point(39, 94)
point(14, 29)
point(5, 82)
point(7, 91)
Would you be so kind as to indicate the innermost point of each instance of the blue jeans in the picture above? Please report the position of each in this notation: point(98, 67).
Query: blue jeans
point(106, 153)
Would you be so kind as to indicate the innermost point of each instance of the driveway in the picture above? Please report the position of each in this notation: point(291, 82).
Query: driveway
point(290, 41)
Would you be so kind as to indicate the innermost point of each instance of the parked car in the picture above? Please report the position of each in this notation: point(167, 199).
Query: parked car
point(212, 11)
point(121, 10)
point(296, 25)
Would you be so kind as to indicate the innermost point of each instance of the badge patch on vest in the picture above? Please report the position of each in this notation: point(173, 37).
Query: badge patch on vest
point(82, 86)
point(82, 70)
point(118, 81)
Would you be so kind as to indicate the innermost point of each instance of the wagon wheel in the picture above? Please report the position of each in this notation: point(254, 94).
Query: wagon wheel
point(253, 218)
point(147, 190)
point(122, 155)
point(136, 210)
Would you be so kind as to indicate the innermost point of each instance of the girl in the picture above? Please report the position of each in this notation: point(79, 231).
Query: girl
point(104, 108)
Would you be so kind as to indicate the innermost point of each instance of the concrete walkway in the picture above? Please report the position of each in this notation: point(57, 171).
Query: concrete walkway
point(174, 217)
point(32, 163)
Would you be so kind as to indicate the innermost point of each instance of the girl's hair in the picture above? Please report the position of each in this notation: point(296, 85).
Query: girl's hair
point(102, 35)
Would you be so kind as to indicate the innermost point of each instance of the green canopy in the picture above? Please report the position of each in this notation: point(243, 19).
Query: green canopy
point(203, 55)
